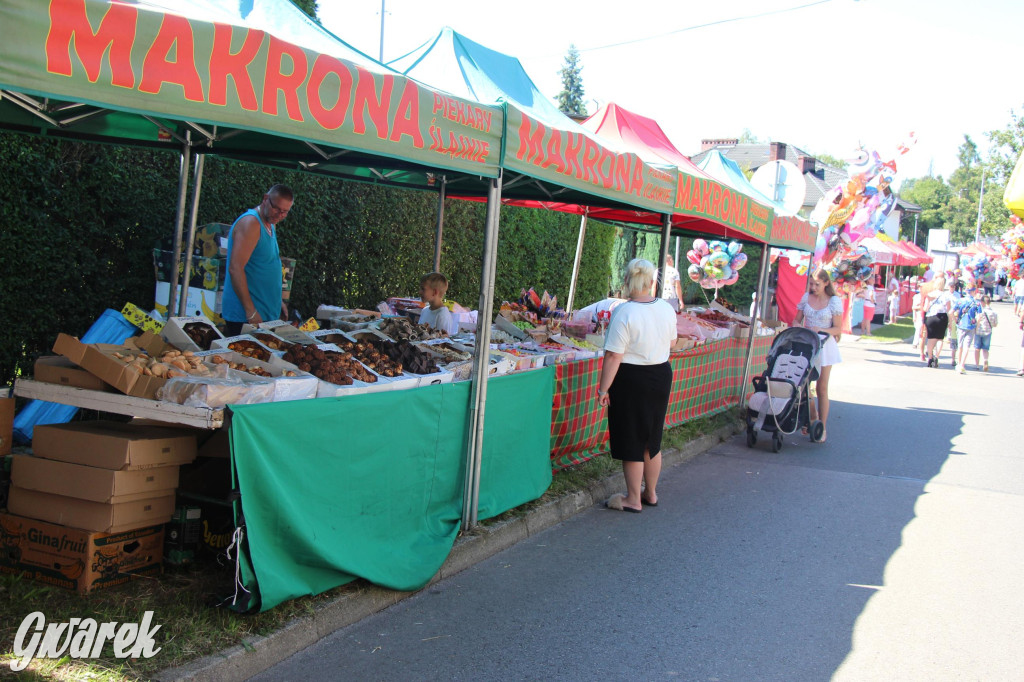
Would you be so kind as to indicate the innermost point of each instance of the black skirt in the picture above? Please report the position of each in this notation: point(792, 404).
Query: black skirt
point(936, 325)
point(638, 401)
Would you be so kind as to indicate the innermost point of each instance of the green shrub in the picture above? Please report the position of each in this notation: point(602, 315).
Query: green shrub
point(81, 220)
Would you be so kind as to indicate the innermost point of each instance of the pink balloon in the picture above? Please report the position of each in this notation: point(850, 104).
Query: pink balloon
point(731, 280)
point(693, 257)
point(701, 247)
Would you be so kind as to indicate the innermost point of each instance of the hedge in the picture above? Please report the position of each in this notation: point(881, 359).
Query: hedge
point(81, 220)
point(631, 244)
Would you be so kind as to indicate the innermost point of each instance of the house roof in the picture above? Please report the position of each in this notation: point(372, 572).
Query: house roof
point(753, 156)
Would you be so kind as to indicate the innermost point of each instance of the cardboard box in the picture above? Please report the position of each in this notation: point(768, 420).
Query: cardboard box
point(112, 445)
point(141, 318)
point(197, 302)
point(99, 360)
point(6, 424)
point(301, 386)
point(683, 343)
point(89, 483)
point(225, 343)
point(76, 559)
point(57, 369)
point(125, 512)
point(174, 332)
point(287, 332)
point(206, 273)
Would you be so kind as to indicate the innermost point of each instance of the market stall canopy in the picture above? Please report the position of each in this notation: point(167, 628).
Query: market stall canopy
point(256, 80)
point(700, 194)
point(977, 248)
point(1013, 196)
point(881, 252)
point(915, 249)
point(788, 230)
point(557, 160)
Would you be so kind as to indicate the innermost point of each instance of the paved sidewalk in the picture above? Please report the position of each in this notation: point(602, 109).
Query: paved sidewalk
point(890, 553)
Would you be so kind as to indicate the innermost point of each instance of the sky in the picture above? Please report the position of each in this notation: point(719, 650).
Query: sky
point(825, 75)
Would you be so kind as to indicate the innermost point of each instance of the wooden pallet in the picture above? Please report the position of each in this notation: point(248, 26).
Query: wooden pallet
point(116, 403)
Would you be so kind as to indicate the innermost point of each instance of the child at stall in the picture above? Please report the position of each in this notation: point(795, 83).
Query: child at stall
point(894, 305)
point(433, 287)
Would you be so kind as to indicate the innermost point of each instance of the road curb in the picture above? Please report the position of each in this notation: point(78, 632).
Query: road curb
point(262, 652)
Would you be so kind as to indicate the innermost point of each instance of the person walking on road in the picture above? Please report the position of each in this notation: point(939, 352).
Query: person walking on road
point(636, 380)
point(1020, 362)
point(985, 321)
point(1018, 297)
point(966, 311)
point(821, 310)
point(917, 312)
point(937, 303)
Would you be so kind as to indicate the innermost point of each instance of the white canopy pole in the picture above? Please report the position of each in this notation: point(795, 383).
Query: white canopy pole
point(759, 306)
point(440, 224)
point(190, 245)
point(186, 152)
point(576, 263)
point(481, 359)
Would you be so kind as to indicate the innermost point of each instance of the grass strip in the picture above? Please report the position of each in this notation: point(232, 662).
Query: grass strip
point(184, 598)
point(902, 328)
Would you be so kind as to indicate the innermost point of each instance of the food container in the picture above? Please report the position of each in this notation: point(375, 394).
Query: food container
point(265, 355)
point(176, 332)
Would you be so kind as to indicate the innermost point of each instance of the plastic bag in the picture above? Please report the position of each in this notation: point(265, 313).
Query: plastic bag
point(215, 393)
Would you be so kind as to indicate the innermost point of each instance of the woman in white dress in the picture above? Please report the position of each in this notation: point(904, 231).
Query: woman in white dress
point(821, 310)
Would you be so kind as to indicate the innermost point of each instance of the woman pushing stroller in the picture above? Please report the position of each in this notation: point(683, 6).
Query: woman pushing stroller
point(821, 310)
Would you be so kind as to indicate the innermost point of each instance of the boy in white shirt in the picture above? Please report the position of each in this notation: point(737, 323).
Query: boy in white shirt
point(436, 314)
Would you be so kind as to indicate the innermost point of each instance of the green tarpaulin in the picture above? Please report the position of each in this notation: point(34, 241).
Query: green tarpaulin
point(370, 486)
point(253, 80)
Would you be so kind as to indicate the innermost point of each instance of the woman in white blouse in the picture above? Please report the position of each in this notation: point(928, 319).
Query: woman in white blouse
point(636, 381)
point(821, 310)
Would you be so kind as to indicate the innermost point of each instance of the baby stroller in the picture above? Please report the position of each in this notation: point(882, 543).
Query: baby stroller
point(780, 402)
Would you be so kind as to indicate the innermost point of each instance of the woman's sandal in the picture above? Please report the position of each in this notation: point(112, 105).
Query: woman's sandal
point(615, 502)
point(646, 503)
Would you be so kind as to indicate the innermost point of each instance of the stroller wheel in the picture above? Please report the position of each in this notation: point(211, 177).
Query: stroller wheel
point(751, 437)
point(776, 441)
point(816, 431)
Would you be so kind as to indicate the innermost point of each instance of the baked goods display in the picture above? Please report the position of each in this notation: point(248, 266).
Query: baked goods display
point(331, 366)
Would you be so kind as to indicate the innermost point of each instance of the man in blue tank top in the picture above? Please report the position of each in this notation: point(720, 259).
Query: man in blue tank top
point(252, 292)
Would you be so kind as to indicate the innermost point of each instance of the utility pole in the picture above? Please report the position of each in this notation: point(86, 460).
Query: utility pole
point(381, 57)
point(916, 215)
point(977, 227)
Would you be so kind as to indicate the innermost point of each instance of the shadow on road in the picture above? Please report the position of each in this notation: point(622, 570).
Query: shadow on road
point(808, 542)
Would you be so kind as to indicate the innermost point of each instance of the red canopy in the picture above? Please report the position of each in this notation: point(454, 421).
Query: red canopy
point(640, 135)
point(979, 248)
point(921, 253)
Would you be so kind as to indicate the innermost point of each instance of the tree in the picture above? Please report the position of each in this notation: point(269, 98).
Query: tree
point(309, 7)
point(965, 189)
point(570, 99)
point(832, 161)
point(1006, 146)
point(932, 195)
point(747, 137)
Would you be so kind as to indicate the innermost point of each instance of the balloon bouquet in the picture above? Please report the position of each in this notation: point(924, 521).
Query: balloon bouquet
point(853, 271)
point(850, 213)
point(715, 264)
point(1013, 247)
point(977, 267)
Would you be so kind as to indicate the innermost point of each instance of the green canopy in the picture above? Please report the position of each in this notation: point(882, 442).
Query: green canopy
point(256, 80)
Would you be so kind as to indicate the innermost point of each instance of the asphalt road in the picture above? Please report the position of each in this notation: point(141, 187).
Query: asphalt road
point(893, 552)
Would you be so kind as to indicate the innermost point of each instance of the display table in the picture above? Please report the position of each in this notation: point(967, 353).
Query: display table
point(371, 485)
point(116, 403)
point(705, 381)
